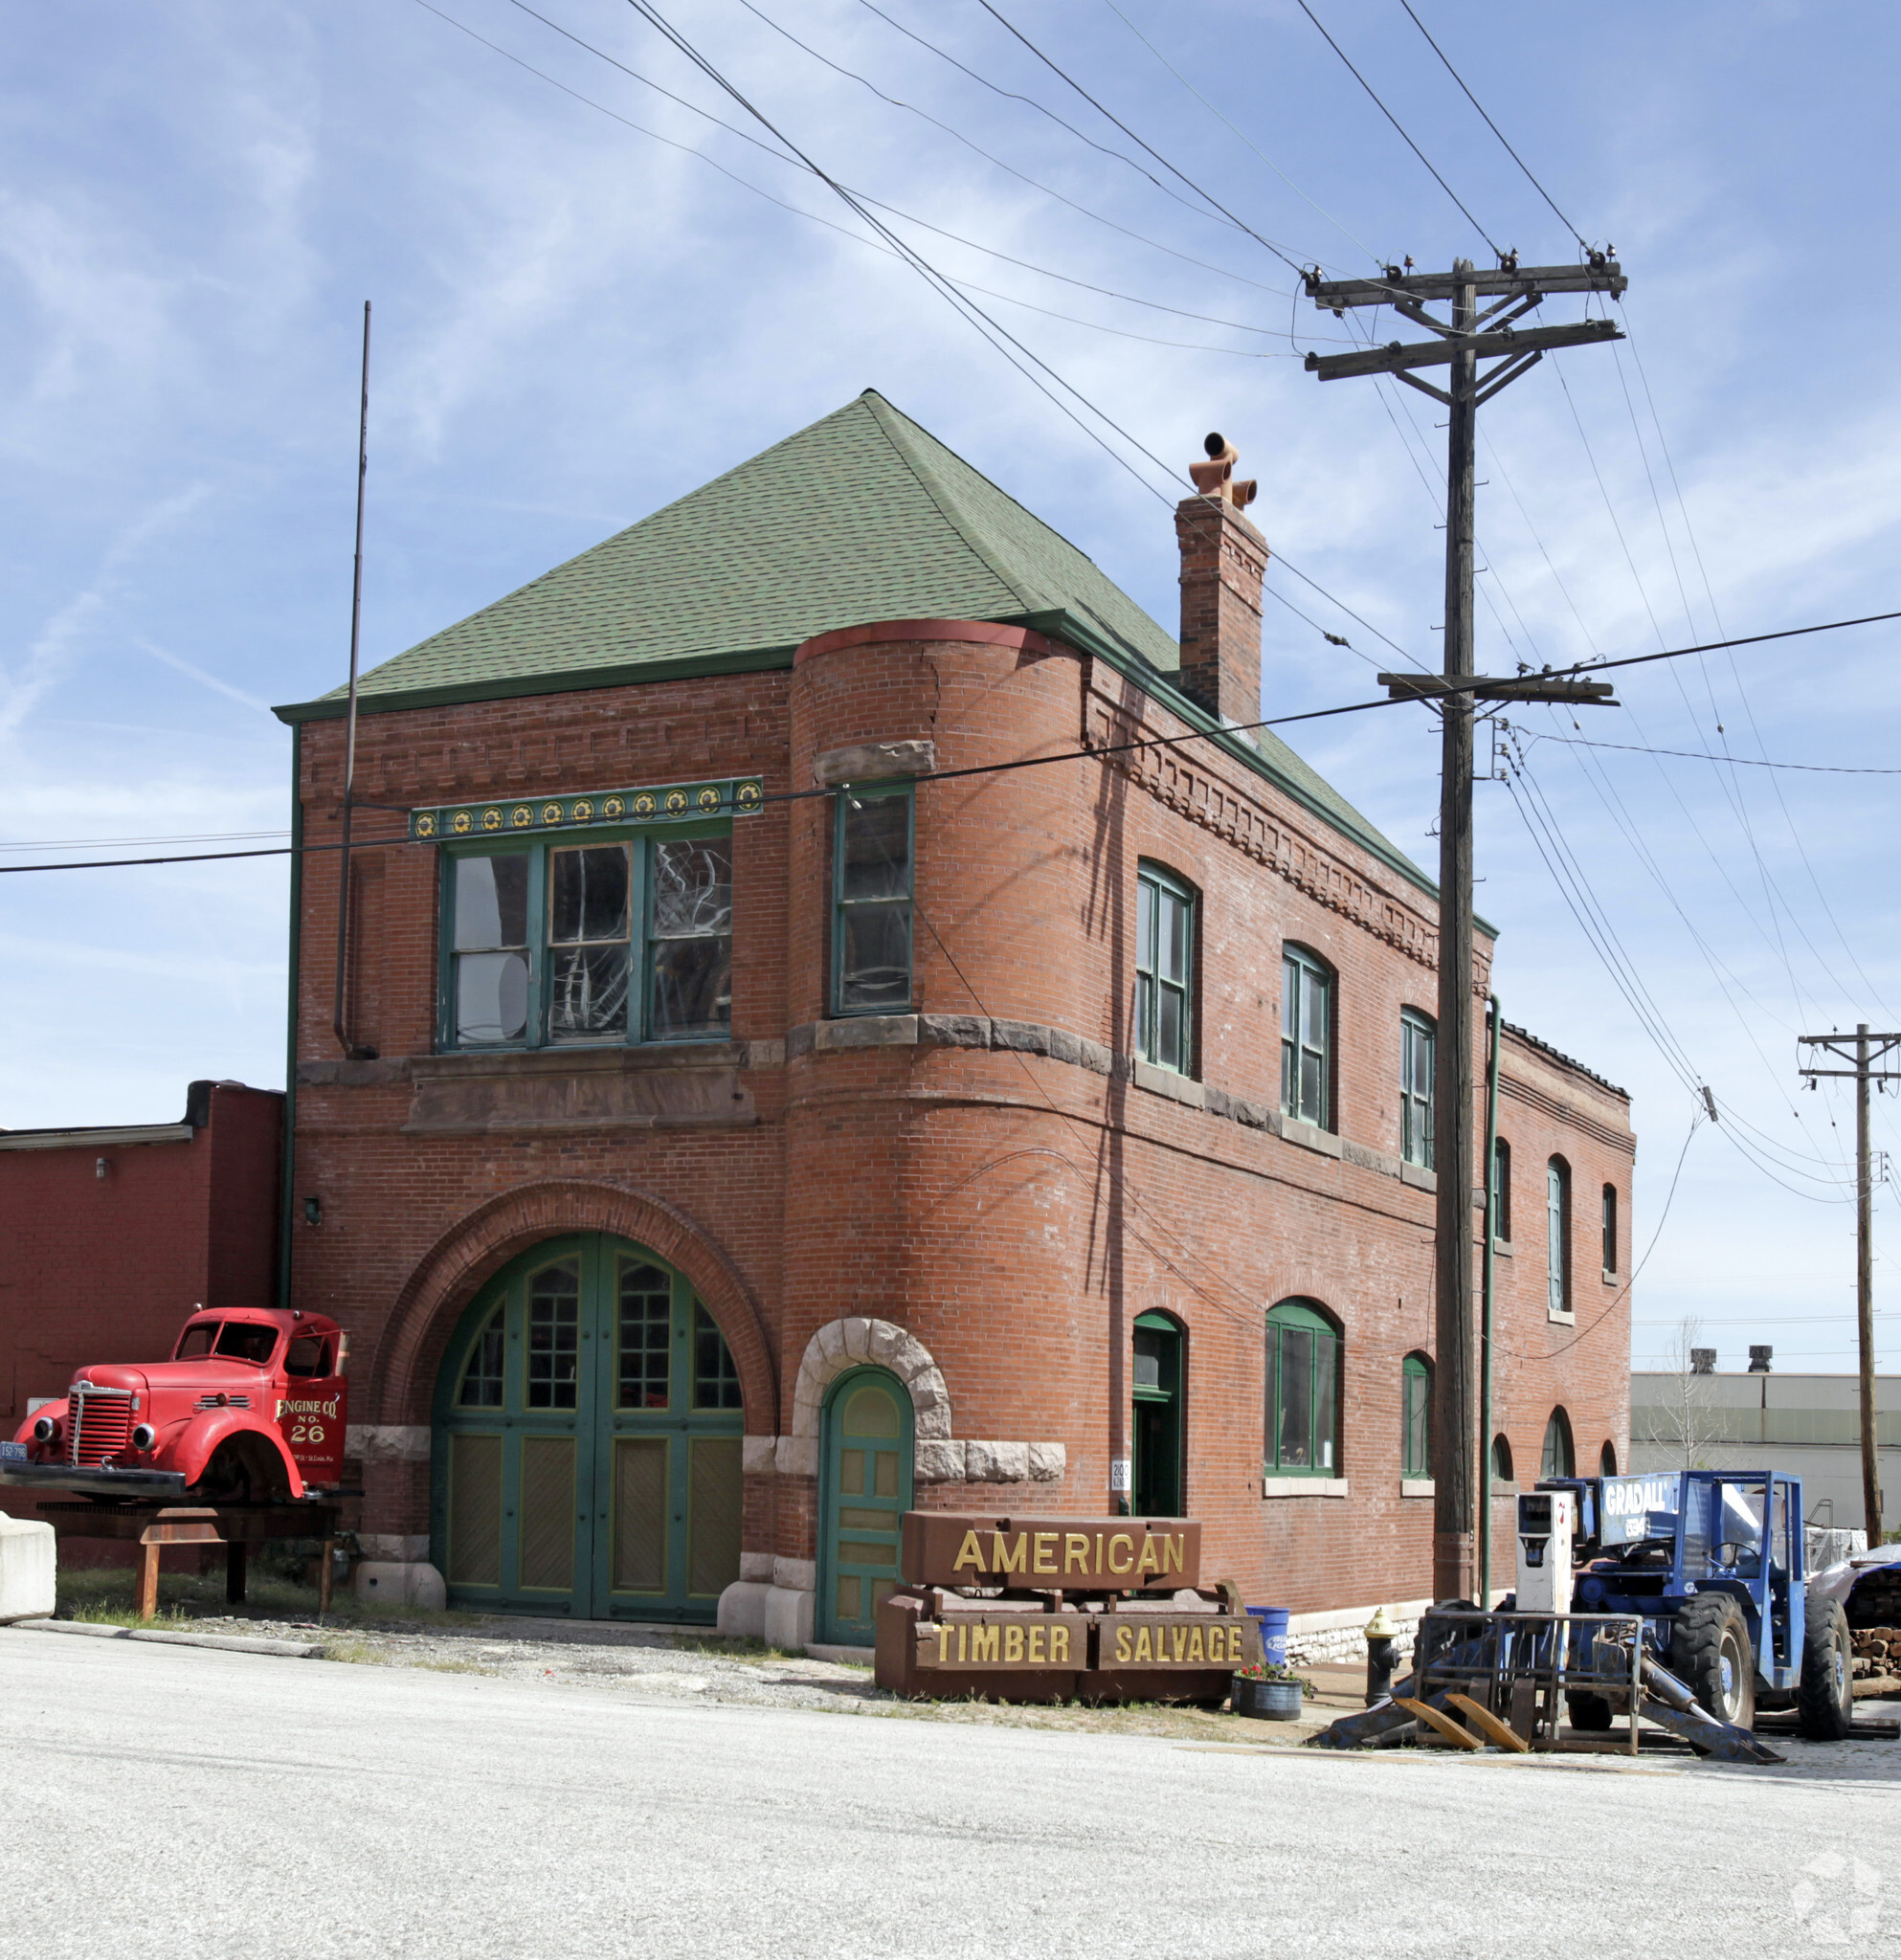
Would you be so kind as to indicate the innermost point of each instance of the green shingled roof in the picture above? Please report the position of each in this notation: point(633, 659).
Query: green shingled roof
point(862, 516)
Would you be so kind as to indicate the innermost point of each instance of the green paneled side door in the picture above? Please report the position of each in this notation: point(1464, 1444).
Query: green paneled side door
point(587, 1449)
point(865, 1465)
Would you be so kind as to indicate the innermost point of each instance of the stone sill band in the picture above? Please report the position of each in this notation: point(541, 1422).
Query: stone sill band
point(719, 1101)
point(1302, 1486)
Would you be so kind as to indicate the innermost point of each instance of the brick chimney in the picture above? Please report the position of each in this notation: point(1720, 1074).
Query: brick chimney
point(1223, 557)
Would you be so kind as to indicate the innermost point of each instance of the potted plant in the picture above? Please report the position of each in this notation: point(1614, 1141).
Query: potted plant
point(1268, 1692)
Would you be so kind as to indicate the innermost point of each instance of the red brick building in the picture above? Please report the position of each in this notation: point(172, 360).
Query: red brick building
point(113, 1235)
point(846, 1022)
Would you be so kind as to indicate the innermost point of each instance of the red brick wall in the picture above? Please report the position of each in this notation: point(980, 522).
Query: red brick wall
point(1013, 1211)
point(107, 1269)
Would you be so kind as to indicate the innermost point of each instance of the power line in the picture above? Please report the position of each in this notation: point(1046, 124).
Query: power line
point(907, 217)
point(957, 135)
point(1396, 123)
point(1208, 197)
point(1491, 125)
point(1012, 96)
point(1354, 707)
point(858, 203)
point(1244, 136)
point(1747, 762)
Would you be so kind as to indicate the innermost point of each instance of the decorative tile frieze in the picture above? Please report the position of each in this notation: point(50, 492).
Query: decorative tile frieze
point(666, 803)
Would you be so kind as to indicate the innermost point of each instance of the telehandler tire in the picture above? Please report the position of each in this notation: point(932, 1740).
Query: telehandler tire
point(1826, 1700)
point(1709, 1653)
point(1590, 1714)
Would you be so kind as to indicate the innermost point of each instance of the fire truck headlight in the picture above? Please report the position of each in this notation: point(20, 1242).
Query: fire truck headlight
point(45, 1430)
point(144, 1437)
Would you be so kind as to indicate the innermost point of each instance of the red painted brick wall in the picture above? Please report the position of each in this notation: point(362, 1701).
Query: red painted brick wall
point(102, 1269)
point(1013, 1211)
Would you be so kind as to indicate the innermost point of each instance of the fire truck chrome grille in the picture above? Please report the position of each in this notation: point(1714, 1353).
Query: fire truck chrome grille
point(100, 1422)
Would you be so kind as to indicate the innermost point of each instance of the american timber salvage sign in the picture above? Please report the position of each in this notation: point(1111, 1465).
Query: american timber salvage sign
point(1041, 1608)
point(1064, 1554)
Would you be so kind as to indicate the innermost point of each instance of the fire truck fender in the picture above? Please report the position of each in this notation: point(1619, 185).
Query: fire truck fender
point(195, 1445)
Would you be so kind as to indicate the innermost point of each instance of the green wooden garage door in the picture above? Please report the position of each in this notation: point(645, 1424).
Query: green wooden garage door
point(587, 1441)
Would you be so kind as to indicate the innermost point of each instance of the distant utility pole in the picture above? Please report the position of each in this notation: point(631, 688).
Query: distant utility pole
point(1469, 336)
point(1867, 1052)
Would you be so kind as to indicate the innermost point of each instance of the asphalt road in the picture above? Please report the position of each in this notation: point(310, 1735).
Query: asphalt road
point(166, 1801)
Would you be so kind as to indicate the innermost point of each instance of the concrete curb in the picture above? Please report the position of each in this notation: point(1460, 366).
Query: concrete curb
point(234, 1643)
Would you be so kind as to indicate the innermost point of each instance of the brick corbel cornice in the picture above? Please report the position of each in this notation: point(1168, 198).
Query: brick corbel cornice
point(1183, 783)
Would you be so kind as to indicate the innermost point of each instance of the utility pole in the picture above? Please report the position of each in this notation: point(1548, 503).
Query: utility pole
point(1868, 1051)
point(1469, 336)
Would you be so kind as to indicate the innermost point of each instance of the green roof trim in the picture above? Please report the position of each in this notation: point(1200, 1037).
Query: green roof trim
point(862, 516)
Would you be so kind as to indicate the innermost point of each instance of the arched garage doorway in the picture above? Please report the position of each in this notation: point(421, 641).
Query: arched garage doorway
point(586, 1457)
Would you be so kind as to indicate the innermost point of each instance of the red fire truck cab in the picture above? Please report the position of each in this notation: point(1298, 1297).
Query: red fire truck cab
point(248, 1408)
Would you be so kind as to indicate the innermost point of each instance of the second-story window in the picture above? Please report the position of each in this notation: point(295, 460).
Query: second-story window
point(871, 911)
point(1164, 950)
point(1415, 1066)
point(1307, 1037)
point(1501, 1191)
point(609, 941)
point(1557, 1235)
point(1610, 1229)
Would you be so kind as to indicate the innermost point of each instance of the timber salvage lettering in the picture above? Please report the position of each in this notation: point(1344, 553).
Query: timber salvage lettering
point(1136, 1640)
point(1018, 1640)
point(1051, 1554)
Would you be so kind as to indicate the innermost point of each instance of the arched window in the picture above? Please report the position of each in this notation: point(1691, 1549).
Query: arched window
point(1557, 1235)
point(1610, 1229)
point(481, 1376)
point(1164, 963)
point(1557, 1459)
point(1607, 1461)
point(1501, 1192)
point(1307, 1037)
point(1417, 1039)
point(1415, 1416)
point(1501, 1458)
point(1302, 1393)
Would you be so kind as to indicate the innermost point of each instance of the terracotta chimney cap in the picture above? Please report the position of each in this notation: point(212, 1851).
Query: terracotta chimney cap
point(1216, 478)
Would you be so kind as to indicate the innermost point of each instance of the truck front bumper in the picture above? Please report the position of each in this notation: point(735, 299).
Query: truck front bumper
point(92, 1481)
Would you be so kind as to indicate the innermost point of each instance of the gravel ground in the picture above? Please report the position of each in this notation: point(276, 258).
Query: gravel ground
point(667, 1664)
point(176, 1801)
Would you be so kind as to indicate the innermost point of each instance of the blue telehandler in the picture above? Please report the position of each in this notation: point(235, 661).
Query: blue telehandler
point(1713, 1562)
point(1680, 1597)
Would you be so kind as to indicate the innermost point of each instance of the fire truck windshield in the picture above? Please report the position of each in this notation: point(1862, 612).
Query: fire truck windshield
point(244, 1341)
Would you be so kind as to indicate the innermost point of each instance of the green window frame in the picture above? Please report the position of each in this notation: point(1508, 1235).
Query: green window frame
point(1303, 1380)
point(587, 939)
point(1610, 1231)
point(1558, 1236)
point(1307, 1037)
point(873, 841)
point(1164, 969)
point(1558, 1455)
point(1415, 1416)
point(1158, 1426)
point(1501, 1192)
point(1418, 1041)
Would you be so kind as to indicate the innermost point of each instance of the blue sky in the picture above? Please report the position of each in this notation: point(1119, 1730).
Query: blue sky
point(577, 322)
